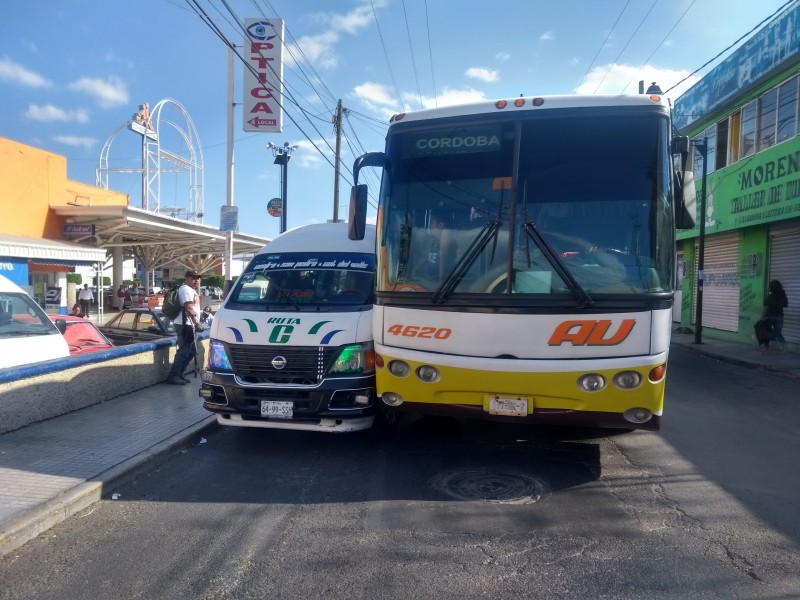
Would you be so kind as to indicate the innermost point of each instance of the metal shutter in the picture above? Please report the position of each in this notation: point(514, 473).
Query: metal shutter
point(720, 284)
point(784, 265)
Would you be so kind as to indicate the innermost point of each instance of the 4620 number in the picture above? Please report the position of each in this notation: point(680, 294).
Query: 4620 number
point(442, 333)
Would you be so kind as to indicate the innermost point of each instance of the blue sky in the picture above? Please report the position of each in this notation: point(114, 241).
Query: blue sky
point(72, 72)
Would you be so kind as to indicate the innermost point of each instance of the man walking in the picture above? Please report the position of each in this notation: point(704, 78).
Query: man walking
point(85, 298)
point(185, 326)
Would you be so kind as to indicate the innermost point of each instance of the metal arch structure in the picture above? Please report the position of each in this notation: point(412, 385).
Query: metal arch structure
point(157, 160)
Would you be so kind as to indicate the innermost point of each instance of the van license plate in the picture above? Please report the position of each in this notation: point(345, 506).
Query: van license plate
point(513, 406)
point(277, 409)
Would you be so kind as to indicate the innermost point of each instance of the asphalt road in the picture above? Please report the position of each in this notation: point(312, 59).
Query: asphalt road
point(707, 508)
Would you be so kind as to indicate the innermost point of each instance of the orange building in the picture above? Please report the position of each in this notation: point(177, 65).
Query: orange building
point(38, 246)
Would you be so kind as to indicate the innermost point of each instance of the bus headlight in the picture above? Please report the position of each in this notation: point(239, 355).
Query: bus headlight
point(428, 374)
point(627, 380)
point(637, 415)
point(591, 382)
point(355, 358)
point(218, 357)
point(399, 368)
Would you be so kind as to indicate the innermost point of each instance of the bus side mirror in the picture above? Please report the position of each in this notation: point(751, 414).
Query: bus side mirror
point(686, 201)
point(357, 219)
point(680, 145)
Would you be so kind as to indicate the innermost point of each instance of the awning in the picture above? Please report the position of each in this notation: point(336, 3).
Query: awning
point(44, 251)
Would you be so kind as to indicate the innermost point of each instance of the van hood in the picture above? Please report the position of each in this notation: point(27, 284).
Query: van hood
point(292, 328)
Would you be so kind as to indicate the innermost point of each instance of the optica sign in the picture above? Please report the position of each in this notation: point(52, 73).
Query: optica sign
point(263, 75)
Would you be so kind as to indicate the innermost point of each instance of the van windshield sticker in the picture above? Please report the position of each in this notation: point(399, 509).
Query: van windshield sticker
point(305, 261)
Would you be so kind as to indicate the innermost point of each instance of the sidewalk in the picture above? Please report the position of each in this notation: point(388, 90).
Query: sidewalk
point(746, 355)
point(53, 469)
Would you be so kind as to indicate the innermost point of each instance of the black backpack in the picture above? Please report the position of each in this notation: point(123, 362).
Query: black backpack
point(172, 306)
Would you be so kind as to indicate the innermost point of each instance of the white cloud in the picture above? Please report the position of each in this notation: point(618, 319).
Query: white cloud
point(11, 71)
point(376, 97)
point(619, 79)
point(483, 74)
point(48, 112)
point(502, 57)
point(454, 97)
point(307, 156)
point(547, 36)
point(108, 93)
point(320, 49)
point(76, 141)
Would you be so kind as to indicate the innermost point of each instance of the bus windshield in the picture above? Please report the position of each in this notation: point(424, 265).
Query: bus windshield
point(560, 203)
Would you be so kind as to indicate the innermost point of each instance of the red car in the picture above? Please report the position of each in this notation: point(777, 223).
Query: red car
point(81, 335)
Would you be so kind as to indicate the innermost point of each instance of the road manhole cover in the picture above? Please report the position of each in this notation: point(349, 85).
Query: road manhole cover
point(501, 487)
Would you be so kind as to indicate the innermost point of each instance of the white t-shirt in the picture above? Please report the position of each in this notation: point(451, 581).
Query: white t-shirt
point(187, 294)
point(85, 294)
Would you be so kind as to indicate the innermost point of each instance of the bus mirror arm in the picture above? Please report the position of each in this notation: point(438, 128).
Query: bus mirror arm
point(685, 195)
point(357, 219)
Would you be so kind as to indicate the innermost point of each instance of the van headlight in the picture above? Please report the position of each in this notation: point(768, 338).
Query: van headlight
point(218, 357)
point(355, 358)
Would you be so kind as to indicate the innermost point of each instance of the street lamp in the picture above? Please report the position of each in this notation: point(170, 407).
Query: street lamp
point(282, 155)
point(702, 147)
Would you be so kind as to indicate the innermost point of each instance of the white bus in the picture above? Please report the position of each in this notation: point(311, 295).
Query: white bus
point(525, 253)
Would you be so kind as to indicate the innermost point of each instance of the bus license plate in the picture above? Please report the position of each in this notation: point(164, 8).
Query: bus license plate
point(277, 409)
point(513, 406)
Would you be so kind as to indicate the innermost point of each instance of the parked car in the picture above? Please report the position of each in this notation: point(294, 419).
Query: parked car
point(82, 336)
point(133, 325)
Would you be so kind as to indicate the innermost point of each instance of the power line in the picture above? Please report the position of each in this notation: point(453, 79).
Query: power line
point(630, 39)
point(411, 48)
point(610, 31)
point(430, 54)
point(646, 60)
point(388, 62)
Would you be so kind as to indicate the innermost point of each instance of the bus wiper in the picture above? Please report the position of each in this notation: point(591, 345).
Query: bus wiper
point(480, 242)
point(584, 298)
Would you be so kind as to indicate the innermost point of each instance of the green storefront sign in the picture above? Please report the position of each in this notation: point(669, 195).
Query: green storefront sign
point(753, 191)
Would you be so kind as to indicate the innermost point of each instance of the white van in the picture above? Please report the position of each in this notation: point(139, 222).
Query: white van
point(27, 335)
point(291, 347)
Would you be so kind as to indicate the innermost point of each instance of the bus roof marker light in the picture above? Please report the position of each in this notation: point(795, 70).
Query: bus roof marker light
point(538, 101)
point(519, 102)
point(655, 98)
point(500, 104)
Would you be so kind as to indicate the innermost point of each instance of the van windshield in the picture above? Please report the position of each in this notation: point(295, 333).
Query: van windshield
point(305, 281)
point(21, 316)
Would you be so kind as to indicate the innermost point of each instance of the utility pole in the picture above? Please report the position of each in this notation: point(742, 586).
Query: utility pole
point(337, 125)
point(701, 245)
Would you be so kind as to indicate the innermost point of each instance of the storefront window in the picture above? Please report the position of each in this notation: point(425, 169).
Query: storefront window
point(787, 110)
point(748, 130)
point(767, 110)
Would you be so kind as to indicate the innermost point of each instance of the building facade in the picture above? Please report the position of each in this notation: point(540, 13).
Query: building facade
point(745, 113)
point(37, 246)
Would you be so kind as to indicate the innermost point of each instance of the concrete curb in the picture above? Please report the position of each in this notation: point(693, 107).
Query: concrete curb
point(741, 362)
point(26, 526)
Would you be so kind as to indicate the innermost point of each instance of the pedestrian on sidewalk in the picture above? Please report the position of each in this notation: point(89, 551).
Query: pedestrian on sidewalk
point(772, 310)
point(120, 301)
point(85, 299)
point(186, 323)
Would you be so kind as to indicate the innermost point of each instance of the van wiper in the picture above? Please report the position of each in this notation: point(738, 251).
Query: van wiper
point(480, 242)
point(583, 296)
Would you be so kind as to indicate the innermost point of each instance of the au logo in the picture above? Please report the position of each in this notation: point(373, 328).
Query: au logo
point(590, 333)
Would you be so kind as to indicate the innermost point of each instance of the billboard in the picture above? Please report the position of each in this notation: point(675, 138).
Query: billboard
point(263, 75)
